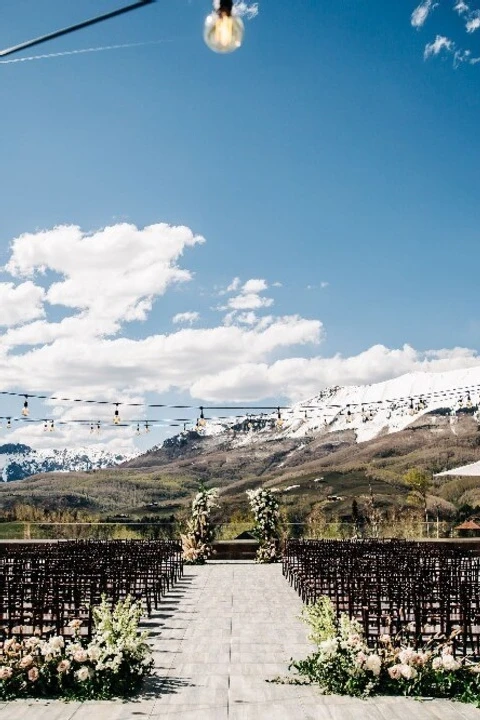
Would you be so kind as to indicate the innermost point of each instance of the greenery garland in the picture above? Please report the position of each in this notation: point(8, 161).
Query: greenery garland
point(343, 663)
point(265, 508)
point(113, 664)
point(197, 542)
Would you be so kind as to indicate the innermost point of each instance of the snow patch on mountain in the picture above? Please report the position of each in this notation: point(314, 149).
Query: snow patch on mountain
point(19, 461)
point(369, 410)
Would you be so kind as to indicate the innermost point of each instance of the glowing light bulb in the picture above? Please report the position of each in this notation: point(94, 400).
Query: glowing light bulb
point(9, 424)
point(116, 416)
point(52, 425)
point(25, 410)
point(224, 30)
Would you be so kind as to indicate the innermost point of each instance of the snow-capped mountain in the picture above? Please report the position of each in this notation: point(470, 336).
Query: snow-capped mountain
point(369, 410)
point(20, 461)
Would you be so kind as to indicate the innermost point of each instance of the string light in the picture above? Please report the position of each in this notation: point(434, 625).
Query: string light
point(224, 29)
point(279, 422)
point(201, 422)
point(25, 410)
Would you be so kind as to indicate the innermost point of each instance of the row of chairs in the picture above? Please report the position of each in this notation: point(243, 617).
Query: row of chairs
point(44, 586)
point(421, 590)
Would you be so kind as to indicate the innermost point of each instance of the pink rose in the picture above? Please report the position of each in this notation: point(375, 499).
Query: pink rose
point(33, 674)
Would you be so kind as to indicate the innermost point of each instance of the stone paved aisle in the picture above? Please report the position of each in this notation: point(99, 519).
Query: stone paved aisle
point(221, 632)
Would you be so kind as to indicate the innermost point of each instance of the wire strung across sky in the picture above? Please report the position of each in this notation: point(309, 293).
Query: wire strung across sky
point(82, 51)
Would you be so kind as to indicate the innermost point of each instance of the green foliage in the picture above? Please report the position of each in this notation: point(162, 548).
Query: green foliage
point(321, 618)
point(343, 663)
point(420, 481)
point(113, 664)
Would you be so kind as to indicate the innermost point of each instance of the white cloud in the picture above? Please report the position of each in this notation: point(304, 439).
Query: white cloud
point(299, 378)
point(249, 297)
point(461, 7)
point(246, 9)
point(420, 14)
point(109, 276)
point(255, 285)
point(252, 301)
point(248, 356)
point(234, 285)
point(20, 303)
point(440, 43)
point(324, 284)
point(186, 317)
point(473, 24)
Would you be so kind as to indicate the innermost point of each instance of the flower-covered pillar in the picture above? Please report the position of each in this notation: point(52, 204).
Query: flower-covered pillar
point(265, 508)
point(197, 543)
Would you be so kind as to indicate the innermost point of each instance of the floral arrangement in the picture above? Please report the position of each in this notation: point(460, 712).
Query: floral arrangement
point(265, 508)
point(197, 542)
point(345, 665)
point(113, 663)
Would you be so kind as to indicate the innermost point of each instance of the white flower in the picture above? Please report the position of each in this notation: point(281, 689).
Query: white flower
point(63, 666)
point(449, 663)
point(329, 647)
point(374, 664)
point(83, 673)
point(80, 655)
point(5, 673)
point(437, 663)
point(57, 642)
point(406, 655)
point(93, 652)
point(408, 672)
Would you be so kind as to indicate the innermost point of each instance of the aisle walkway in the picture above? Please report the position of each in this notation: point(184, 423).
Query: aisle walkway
point(222, 631)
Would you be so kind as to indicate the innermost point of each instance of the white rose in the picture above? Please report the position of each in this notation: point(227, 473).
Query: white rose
point(408, 672)
point(437, 663)
point(57, 642)
point(449, 662)
point(374, 664)
point(406, 656)
point(82, 674)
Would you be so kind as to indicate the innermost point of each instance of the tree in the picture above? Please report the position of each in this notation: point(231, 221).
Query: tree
point(420, 483)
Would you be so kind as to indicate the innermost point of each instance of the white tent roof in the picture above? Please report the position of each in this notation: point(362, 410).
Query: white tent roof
point(471, 470)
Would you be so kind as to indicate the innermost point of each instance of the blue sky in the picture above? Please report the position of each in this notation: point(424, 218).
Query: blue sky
point(327, 151)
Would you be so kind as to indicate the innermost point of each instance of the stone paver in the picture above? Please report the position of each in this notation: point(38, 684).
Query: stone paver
point(220, 634)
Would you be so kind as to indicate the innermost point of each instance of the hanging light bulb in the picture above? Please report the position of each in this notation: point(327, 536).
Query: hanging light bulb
point(52, 425)
point(9, 424)
point(116, 415)
point(137, 431)
point(279, 422)
point(224, 29)
point(98, 427)
point(92, 429)
point(201, 422)
point(25, 410)
point(147, 427)
point(45, 426)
